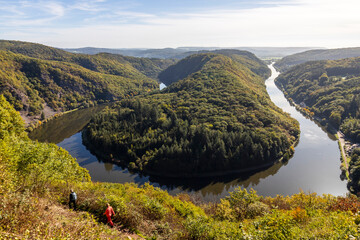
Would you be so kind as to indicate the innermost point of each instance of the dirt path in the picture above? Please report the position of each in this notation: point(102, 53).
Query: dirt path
point(341, 138)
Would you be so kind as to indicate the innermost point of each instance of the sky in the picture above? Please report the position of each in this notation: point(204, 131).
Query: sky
point(183, 23)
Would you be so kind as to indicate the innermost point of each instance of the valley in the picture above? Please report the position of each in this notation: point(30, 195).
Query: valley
point(307, 161)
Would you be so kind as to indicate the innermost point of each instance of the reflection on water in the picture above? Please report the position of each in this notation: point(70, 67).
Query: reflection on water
point(315, 166)
point(209, 188)
point(64, 126)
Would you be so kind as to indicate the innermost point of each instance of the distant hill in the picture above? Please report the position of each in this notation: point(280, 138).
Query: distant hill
point(313, 55)
point(34, 76)
point(182, 52)
point(105, 63)
point(195, 62)
point(217, 118)
point(150, 67)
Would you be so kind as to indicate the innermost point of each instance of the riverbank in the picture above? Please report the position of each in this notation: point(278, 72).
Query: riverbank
point(34, 123)
point(345, 161)
point(48, 113)
point(341, 138)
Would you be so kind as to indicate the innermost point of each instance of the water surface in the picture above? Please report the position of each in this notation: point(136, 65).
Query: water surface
point(315, 166)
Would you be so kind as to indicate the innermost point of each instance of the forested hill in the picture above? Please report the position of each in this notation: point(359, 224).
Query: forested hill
point(102, 62)
point(313, 55)
point(217, 119)
point(29, 83)
point(195, 62)
point(331, 91)
point(34, 76)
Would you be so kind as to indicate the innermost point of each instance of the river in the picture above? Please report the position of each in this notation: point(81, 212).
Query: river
point(315, 166)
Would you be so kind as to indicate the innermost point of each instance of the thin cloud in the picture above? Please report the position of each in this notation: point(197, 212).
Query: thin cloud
point(54, 8)
point(131, 14)
point(327, 23)
point(88, 6)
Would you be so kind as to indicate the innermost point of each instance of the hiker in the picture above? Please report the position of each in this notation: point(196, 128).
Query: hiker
point(72, 199)
point(109, 212)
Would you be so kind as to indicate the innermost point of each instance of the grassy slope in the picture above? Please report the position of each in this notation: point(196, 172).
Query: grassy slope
point(314, 55)
point(218, 118)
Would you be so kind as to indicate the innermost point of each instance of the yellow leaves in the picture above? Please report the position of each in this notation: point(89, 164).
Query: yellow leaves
point(224, 211)
point(292, 149)
point(299, 215)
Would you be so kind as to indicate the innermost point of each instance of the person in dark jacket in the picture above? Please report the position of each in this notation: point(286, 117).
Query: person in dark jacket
point(109, 212)
point(72, 199)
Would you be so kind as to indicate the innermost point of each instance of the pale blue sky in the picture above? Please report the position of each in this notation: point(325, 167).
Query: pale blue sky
point(161, 23)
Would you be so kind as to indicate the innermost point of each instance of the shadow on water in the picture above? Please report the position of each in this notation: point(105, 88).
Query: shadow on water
point(216, 185)
point(100, 170)
point(64, 126)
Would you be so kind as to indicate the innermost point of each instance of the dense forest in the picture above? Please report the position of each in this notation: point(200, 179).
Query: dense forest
point(196, 62)
point(217, 119)
point(114, 64)
point(33, 75)
point(28, 83)
point(315, 55)
point(330, 90)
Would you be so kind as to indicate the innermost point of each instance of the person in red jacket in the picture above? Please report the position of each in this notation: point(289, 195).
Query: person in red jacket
point(109, 212)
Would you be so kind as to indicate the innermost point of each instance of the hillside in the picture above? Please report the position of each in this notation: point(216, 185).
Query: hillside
point(329, 90)
point(217, 119)
point(313, 55)
point(195, 62)
point(40, 80)
point(30, 84)
point(150, 67)
point(114, 64)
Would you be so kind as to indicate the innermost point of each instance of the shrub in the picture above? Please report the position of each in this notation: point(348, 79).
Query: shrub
point(257, 209)
point(239, 201)
point(154, 210)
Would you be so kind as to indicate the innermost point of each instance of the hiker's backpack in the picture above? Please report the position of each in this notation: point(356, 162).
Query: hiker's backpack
point(73, 196)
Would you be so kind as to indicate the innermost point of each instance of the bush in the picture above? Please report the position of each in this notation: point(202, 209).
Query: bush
point(154, 210)
point(239, 201)
point(257, 209)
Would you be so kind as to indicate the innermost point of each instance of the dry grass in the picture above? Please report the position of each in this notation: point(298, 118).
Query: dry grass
point(39, 218)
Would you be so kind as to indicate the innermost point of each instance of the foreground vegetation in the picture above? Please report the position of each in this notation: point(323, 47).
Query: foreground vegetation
point(217, 119)
point(35, 183)
point(329, 90)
